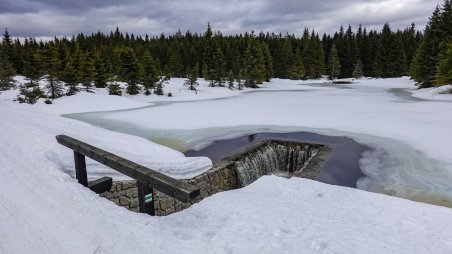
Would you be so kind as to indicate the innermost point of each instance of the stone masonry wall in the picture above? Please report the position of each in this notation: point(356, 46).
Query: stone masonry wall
point(218, 179)
point(124, 193)
point(222, 177)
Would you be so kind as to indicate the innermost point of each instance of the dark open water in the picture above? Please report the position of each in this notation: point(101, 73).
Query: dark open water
point(341, 168)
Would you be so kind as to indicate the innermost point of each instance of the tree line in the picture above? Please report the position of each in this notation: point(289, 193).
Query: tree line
point(146, 63)
point(432, 64)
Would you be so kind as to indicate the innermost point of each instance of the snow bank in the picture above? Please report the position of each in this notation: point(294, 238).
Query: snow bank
point(434, 93)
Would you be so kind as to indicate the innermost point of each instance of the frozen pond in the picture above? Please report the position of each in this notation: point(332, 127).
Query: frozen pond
point(400, 161)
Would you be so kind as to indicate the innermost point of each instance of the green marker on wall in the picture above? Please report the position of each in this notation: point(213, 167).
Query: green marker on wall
point(148, 198)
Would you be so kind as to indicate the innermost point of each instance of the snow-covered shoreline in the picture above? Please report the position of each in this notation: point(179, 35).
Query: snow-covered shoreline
point(42, 207)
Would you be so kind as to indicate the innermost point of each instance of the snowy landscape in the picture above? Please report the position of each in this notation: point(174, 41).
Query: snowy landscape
point(226, 127)
point(44, 209)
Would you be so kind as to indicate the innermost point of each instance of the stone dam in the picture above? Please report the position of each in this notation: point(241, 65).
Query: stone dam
point(283, 158)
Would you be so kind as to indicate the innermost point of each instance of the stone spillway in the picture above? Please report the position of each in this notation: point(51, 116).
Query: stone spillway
point(245, 166)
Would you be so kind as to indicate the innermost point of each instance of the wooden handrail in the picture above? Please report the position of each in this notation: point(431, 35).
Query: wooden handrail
point(146, 177)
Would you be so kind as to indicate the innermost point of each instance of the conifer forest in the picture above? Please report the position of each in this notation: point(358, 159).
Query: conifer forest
point(146, 63)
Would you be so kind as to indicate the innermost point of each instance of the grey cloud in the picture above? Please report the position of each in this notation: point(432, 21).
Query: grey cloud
point(79, 4)
point(18, 6)
point(62, 17)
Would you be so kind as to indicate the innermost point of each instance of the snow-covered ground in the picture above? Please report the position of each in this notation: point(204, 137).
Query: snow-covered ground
point(43, 210)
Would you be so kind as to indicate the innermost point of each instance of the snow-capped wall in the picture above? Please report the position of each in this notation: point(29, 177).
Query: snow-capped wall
point(235, 171)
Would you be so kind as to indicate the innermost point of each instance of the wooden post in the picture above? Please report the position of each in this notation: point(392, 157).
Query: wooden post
point(101, 185)
point(145, 198)
point(80, 169)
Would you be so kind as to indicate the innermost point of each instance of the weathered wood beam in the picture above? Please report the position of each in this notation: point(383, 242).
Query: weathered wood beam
point(80, 169)
point(145, 198)
point(101, 185)
point(170, 186)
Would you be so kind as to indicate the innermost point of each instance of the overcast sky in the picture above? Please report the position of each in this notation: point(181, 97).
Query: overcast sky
point(48, 18)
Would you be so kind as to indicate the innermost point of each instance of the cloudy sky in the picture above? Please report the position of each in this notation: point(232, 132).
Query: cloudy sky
point(48, 18)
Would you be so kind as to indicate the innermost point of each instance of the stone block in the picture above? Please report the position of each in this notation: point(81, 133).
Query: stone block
point(170, 210)
point(163, 205)
point(123, 201)
point(185, 205)
point(130, 192)
point(134, 203)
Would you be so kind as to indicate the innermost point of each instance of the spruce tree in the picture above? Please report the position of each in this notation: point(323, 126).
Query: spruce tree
point(346, 47)
point(77, 59)
point(30, 93)
point(192, 79)
point(231, 80)
point(350, 54)
point(304, 47)
point(161, 84)
point(444, 69)
point(69, 73)
point(175, 61)
point(360, 38)
point(6, 72)
point(101, 73)
point(269, 73)
point(217, 72)
point(358, 71)
point(31, 69)
point(378, 67)
point(88, 72)
point(371, 47)
point(129, 70)
point(50, 63)
point(18, 56)
point(390, 59)
point(334, 64)
point(114, 88)
point(437, 34)
point(400, 59)
point(7, 44)
point(260, 64)
point(284, 57)
point(208, 33)
point(150, 73)
point(297, 70)
point(205, 72)
point(316, 57)
point(410, 43)
point(238, 78)
point(250, 70)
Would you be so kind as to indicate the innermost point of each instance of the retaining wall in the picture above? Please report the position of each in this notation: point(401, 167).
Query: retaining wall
point(222, 177)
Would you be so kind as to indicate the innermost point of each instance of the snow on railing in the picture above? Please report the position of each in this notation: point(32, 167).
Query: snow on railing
point(147, 179)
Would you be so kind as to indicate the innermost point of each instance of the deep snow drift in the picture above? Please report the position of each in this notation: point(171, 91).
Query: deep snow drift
point(43, 210)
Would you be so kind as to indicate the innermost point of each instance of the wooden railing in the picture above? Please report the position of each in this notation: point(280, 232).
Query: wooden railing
point(147, 179)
